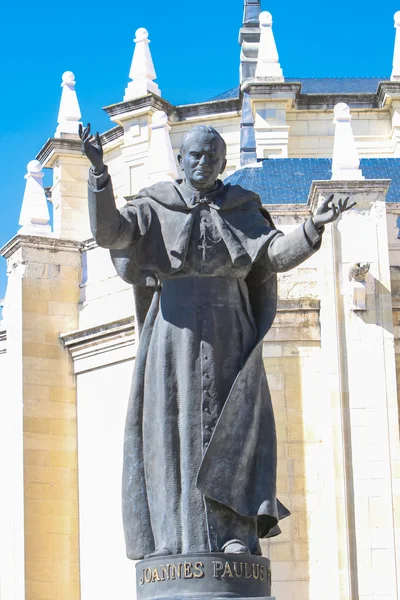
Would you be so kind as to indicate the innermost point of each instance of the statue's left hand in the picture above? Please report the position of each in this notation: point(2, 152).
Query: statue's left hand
point(328, 211)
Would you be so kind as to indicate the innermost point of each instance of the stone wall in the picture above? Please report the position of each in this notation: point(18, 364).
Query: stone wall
point(311, 133)
point(39, 417)
point(103, 393)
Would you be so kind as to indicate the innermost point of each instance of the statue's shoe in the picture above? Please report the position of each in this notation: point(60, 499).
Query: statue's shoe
point(235, 547)
point(159, 552)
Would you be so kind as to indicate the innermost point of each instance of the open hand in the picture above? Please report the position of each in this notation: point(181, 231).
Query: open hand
point(92, 148)
point(328, 211)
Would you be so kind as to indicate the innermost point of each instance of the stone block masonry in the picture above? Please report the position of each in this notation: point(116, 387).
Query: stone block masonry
point(44, 277)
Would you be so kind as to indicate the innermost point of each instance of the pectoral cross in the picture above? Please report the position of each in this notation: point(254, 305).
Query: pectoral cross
point(203, 246)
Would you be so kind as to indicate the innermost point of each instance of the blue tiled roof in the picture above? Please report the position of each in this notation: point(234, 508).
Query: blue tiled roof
point(327, 85)
point(233, 93)
point(338, 85)
point(288, 180)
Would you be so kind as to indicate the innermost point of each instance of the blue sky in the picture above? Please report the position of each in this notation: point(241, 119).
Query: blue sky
point(195, 52)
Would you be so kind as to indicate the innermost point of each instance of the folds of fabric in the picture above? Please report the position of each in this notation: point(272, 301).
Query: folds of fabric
point(231, 465)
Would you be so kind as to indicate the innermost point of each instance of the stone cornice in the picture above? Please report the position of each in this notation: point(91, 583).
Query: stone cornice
point(115, 342)
point(102, 345)
point(361, 187)
point(145, 103)
point(272, 90)
point(386, 90)
point(80, 338)
point(259, 89)
point(39, 242)
point(297, 320)
point(298, 304)
point(328, 101)
point(395, 303)
point(151, 103)
point(89, 244)
point(72, 147)
point(393, 207)
point(209, 109)
point(56, 146)
point(111, 135)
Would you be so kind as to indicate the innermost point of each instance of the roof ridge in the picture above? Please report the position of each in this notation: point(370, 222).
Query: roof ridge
point(346, 77)
point(323, 85)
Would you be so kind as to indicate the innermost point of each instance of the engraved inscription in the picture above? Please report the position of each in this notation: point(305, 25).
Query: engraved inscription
point(221, 569)
point(239, 570)
point(169, 572)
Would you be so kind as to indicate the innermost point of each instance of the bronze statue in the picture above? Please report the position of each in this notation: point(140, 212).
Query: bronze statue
point(200, 443)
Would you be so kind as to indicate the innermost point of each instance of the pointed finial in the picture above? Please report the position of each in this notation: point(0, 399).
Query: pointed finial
point(251, 13)
point(69, 114)
point(268, 66)
point(396, 54)
point(249, 37)
point(161, 164)
point(34, 217)
point(142, 70)
point(345, 162)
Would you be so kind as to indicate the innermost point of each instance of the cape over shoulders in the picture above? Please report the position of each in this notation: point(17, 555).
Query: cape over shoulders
point(226, 197)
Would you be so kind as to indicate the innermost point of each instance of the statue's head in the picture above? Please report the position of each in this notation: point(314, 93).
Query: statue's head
point(202, 157)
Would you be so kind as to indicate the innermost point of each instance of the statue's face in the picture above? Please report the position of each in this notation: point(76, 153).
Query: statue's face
point(202, 160)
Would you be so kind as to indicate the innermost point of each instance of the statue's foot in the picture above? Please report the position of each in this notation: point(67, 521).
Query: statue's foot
point(159, 552)
point(235, 547)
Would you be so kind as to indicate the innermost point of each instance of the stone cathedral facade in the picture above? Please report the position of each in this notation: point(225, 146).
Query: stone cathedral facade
point(68, 337)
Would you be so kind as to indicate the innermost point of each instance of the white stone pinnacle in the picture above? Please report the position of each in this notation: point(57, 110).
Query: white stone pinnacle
point(161, 164)
point(396, 54)
point(34, 217)
point(345, 161)
point(142, 70)
point(69, 114)
point(268, 66)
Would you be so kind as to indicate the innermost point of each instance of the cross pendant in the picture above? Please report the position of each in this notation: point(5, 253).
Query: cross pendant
point(203, 246)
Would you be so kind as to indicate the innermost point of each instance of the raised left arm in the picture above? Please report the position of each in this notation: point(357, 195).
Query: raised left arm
point(288, 251)
point(328, 211)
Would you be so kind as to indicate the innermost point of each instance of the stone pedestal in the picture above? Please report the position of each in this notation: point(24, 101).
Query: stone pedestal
point(203, 576)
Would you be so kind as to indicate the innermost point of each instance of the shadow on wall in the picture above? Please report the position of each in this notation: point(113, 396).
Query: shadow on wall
point(289, 552)
point(395, 285)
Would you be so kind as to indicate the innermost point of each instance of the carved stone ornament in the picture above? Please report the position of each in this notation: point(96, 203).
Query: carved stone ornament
point(359, 272)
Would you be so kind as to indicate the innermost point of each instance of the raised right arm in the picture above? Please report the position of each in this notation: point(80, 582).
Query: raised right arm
point(109, 227)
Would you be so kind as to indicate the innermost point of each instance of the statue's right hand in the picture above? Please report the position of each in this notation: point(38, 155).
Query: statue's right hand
point(92, 148)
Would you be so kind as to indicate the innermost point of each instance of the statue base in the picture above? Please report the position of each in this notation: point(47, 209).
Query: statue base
point(203, 577)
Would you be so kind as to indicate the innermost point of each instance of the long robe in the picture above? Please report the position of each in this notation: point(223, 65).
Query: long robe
point(200, 441)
